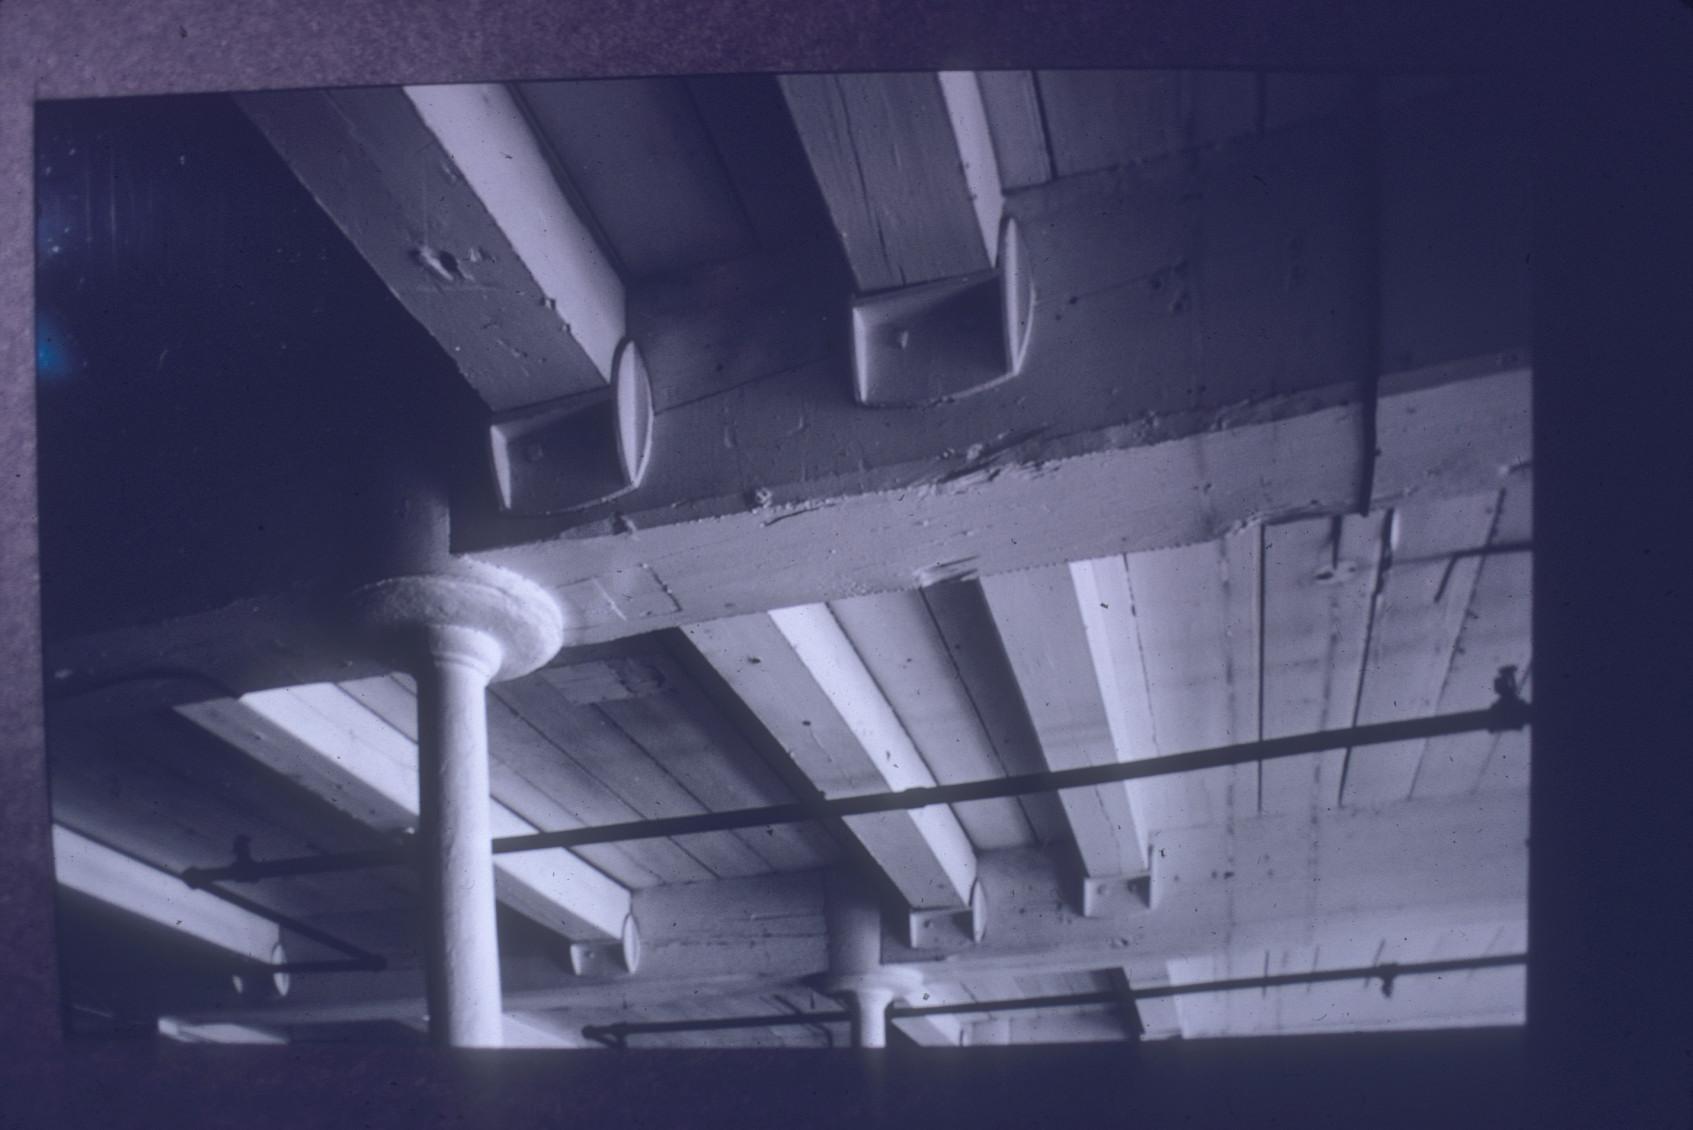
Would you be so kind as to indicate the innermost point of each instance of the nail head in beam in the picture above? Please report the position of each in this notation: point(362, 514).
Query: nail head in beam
point(609, 959)
point(1101, 893)
point(940, 340)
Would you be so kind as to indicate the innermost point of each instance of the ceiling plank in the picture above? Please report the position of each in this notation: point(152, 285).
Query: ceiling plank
point(93, 869)
point(638, 154)
point(1497, 632)
point(722, 774)
point(1091, 1025)
point(798, 673)
point(1475, 997)
point(1044, 631)
point(901, 644)
point(587, 736)
point(1197, 630)
point(1273, 881)
point(1101, 119)
point(158, 788)
point(1111, 610)
point(1421, 602)
point(324, 739)
point(935, 1031)
point(906, 171)
point(1319, 574)
point(538, 781)
point(538, 1030)
point(448, 194)
point(1011, 101)
point(172, 1029)
point(964, 623)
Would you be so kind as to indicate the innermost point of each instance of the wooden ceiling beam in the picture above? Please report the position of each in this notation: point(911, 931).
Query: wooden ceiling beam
point(1197, 364)
point(907, 171)
point(90, 868)
point(1283, 880)
point(449, 195)
point(336, 747)
point(1043, 628)
point(799, 675)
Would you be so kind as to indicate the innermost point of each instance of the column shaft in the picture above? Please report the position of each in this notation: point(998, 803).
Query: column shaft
point(870, 1017)
point(463, 954)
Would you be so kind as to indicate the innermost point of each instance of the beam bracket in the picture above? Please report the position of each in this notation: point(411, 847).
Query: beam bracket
point(608, 959)
point(1101, 894)
point(578, 450)
point(938, 929)
point(937, 341)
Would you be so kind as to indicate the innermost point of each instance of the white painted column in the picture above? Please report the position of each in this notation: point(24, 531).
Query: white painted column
point(856, 973)
point(870, 1015)
point(452, 764)
point(457, 632)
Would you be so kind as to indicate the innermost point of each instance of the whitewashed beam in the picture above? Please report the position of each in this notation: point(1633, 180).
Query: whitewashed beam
point(1443, 434)
point(931, 1031)
point(1042, 624)
point(931, 680)
point(532, 1030)
point(448, 194)
point(188, 1033)
point(1213, 356)
point(1110, 612)
point(987, 512)
point(1073, 1026)
point(1195, 630)
point(334, 746)
point(907, 171)
point(1016, 125)
point(121, 881)
point(798, 673)
point(1285, 880)
point(539, 1030)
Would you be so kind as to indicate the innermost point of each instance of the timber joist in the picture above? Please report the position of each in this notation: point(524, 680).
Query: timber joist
point(945, 295)
point(957, 660)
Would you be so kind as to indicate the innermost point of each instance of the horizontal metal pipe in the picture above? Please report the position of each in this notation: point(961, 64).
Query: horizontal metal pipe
point(1507, 713)
point(358, 958)
point(372, 964)
point(1386, 972)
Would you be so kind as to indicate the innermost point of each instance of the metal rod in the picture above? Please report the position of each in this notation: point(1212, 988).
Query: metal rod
point(357, 958)
point(346, 965)
point(1386, 972)
point(1507, 713)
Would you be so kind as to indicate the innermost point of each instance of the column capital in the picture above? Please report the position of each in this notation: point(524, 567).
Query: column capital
point(894, 982)
point(493, 619)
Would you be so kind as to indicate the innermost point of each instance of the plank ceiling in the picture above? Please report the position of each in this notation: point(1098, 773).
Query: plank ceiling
point(1277, 629)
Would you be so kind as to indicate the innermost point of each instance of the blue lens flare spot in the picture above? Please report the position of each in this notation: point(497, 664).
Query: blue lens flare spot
point(55, 352)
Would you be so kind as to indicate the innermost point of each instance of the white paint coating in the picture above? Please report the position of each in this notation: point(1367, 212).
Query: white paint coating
point(118, 880)
point(483, 130)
